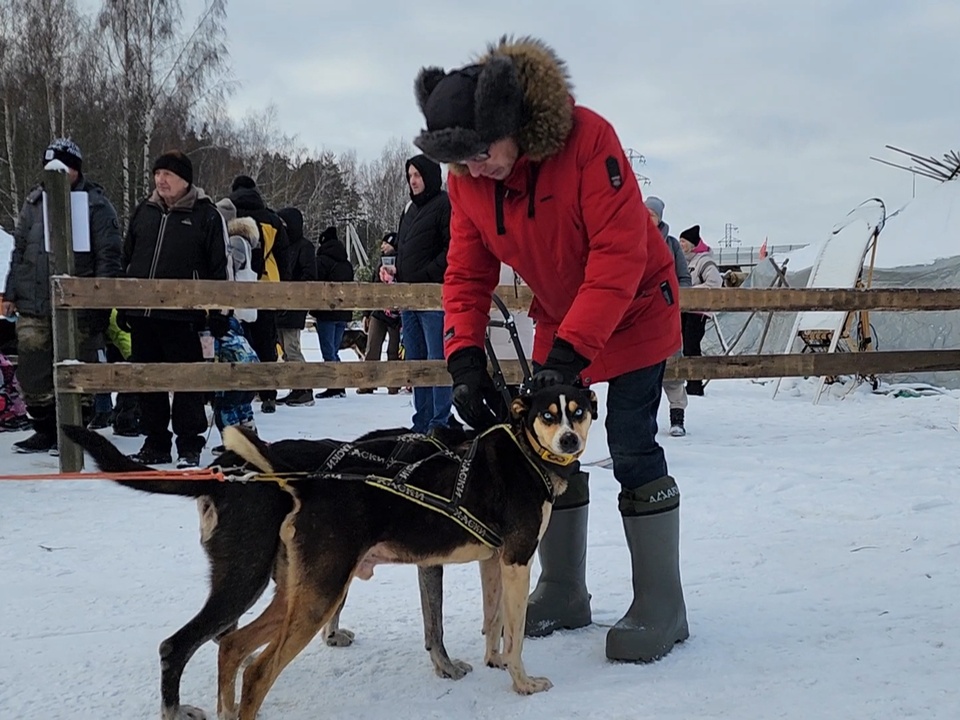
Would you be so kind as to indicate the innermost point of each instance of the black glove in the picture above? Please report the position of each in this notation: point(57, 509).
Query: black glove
point(218, 323)
point(474, 395)
point(123, 320)
point(563, 366)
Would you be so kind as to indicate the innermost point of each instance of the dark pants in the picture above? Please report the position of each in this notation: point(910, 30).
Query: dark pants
point(375, 337)
point(632, 403)
point(169, 341)
point(35, 367)
point(693, 326)
point(262, 335)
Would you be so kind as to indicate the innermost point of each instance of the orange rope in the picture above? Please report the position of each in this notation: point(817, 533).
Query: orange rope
point(200, 474)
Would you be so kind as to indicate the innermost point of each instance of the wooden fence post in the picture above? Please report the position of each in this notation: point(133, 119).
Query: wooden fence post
point(65, 336)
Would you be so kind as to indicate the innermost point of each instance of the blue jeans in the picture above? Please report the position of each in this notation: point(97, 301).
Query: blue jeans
point(632, 403)
point(330, 334)
point(422, 332)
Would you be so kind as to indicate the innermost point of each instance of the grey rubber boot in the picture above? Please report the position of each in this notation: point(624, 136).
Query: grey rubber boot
point(657, 618)
point(561, 601)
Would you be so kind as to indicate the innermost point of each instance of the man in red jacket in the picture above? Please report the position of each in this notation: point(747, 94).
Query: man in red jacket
point(543, 185)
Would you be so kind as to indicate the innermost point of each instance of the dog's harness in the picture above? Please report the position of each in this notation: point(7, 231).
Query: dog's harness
point(451, 507)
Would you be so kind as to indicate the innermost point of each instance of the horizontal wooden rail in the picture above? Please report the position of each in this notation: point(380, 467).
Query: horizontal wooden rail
point(76, 293)
point(128, 377)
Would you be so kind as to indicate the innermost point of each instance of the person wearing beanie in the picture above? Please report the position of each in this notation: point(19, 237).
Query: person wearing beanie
point(333, 265)
point(674, 389)
point(176, 232)
point(542, 184)
point(26, 294)
point(272, 263)
point(290, 323)
point(703, 273)
point(423, 237)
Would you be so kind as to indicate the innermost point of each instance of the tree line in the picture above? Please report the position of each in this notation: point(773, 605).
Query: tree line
point(135, 78)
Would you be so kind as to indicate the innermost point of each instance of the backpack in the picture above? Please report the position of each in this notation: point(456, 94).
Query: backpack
point(264, 261)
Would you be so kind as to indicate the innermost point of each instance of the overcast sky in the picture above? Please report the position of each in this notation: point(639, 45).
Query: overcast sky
point(760, 113)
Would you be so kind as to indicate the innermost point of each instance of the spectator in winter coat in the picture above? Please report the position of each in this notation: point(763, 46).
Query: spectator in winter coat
point(290, 323)
point(175, 233)
point(382, 324)
point(332, 266)
point(676, 394)
point(27, 294)
point(542, 184)
point(422, 241)
point(704, 273)
point(272, 264)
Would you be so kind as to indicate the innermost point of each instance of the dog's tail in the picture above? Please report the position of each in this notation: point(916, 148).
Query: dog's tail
point(109, 459)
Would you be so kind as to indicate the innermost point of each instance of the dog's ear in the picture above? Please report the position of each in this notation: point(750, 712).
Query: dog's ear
point(593, 404)
point(519, 407)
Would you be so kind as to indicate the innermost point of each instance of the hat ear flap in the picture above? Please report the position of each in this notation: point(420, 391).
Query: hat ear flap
point(426, 82)
point(499, 99)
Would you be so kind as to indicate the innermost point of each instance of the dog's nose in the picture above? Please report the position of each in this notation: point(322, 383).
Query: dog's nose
point(569, 442)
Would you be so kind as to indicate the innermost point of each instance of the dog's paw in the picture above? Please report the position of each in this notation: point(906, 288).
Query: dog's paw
point(340, 638)
point(188, 712)
point(495, 660)
point(531, 685)
point(452, 669)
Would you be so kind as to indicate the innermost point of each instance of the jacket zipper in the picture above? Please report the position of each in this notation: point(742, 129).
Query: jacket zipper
point(156, 252)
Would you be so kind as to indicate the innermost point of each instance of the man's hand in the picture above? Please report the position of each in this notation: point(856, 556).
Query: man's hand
point(474, 394)
point(563, 366)
point(388, 273)
point(8, 308)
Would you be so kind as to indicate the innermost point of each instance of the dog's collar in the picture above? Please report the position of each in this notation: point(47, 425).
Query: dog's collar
point(536, 460)
point(547, 455)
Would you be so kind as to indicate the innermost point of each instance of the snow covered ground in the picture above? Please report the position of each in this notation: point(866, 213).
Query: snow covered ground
point(820, 555)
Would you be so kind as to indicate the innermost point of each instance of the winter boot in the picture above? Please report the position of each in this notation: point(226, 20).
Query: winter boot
point(331, 393)
point(657, 618)
point(44, 438)
point(676, 422)
point(298, 398)
point(560, 600)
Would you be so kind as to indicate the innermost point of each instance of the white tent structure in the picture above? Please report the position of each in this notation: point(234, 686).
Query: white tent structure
point(918, 247)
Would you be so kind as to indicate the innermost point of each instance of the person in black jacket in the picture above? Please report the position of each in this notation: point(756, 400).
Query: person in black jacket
point(332, 266)
point(177, 232)
point(27, 293)
point(272, 263)
point(422, 241)
point(303, 268)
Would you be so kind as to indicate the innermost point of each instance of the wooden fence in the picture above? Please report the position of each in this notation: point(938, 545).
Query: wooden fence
point(71, 293)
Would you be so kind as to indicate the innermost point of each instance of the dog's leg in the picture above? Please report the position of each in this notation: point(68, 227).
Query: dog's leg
point(236, 647)
point(333, 634)
point(516, 588)
point(308, 610)
point(431, 604)
point(491, 585)
point(235, 587)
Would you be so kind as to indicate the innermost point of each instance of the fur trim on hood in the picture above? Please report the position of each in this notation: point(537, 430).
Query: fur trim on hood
point(520, 88)
point(245, 227)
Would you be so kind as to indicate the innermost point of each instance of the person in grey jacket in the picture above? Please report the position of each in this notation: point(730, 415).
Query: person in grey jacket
point(675, 390)
point(27, 293)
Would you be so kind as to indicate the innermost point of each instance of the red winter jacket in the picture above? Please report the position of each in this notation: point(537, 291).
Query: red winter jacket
point(603, 278)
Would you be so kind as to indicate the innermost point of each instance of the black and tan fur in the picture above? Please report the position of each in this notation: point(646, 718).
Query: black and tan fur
point(339, 530)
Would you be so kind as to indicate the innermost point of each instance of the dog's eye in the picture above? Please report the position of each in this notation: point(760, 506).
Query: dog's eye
point(578, 413)
point(548, 416)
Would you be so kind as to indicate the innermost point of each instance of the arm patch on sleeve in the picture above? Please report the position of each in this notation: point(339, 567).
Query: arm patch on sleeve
point(613, 173)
